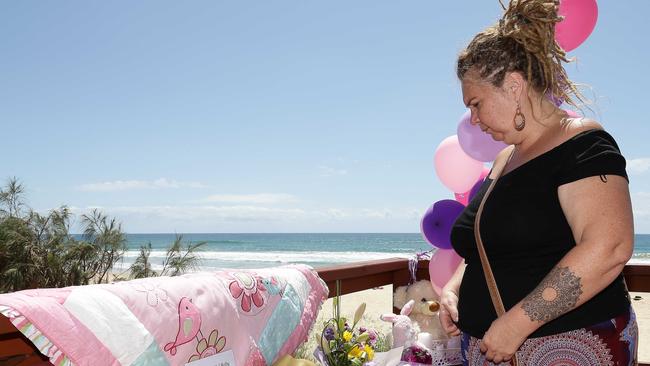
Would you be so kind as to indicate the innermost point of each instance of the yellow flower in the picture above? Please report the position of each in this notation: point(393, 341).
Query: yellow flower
point(369, 351)
point(354, 352)
point(347, 335)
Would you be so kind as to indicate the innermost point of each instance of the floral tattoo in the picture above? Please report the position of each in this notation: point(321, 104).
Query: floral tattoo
point(555, 295)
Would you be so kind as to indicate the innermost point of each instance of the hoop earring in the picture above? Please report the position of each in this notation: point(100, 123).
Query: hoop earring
point(519, 120)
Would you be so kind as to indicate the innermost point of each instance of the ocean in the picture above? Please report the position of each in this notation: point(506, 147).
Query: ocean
point(317, 250)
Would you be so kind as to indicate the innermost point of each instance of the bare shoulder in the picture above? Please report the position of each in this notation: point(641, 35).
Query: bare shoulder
point(575, 126)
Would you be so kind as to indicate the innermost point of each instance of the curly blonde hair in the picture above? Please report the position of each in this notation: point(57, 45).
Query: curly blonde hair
point(523, 40)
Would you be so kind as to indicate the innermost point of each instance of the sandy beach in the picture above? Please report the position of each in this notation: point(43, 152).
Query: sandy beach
point(379, 301)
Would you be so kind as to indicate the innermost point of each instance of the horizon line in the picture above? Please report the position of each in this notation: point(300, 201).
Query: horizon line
point(267, 233)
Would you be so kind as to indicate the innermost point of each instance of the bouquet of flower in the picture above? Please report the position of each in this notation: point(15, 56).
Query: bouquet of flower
point(345, 345)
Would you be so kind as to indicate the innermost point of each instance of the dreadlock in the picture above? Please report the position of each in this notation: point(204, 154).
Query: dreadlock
point(523, 40)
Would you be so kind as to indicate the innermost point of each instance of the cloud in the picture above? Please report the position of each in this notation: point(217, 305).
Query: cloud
point(641, 211)
point(368, 214)
point(377, 214)
point(127, 185)
point(239, 213)
point(641, 204)
point(336, 214)
point(260, 198)
point(203, 213)
point(326, 171)
point(638, 166)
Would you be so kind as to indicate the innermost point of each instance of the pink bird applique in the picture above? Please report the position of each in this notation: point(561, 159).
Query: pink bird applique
point(189, 324)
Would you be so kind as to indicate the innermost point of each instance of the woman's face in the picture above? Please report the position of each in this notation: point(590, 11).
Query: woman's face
point(491, 107)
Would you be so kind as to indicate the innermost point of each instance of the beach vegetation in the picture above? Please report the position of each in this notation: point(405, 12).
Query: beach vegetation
point(37, 249)
point(177, 261)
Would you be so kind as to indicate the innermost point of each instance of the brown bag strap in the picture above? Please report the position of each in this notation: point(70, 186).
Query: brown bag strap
point(487, 270)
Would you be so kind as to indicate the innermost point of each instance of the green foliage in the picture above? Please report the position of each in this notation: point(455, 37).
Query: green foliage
point(141, 268)
point(37, 250)
point(177, 261)
point(383, 343)
point(107, 242)
point(11, 200)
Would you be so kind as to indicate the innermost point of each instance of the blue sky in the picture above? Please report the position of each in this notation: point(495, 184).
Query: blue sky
point(214, 116)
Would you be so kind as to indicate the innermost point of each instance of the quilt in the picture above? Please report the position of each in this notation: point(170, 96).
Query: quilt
point(227, 317)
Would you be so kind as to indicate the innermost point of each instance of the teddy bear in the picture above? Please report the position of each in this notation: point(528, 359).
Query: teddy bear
point(425, 309)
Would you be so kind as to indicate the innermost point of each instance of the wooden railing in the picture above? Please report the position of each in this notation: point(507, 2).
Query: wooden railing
point(359, 276)
point(17, 350)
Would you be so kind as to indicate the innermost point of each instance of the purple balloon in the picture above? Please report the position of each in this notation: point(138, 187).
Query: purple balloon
point(476, 143)
point(556, 100)
point(437, 222)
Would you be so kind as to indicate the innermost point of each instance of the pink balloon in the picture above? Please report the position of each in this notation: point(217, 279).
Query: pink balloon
point(476, 143)
point(465, 196)
point(572, 114)
point(579, 21)
point(455, 169)
point(485, 172)
point(442, 266)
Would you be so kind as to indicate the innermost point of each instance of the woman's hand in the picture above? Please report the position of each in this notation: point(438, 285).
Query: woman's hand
point(448, 312)
point(502, 340)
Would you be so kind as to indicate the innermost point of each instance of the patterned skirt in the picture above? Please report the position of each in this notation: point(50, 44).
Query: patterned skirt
point(612, 342)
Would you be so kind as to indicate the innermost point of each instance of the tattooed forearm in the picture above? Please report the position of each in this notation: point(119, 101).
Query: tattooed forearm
point(555, 295)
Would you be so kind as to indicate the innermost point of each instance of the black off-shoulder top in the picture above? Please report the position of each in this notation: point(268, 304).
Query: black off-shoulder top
point(525, 234)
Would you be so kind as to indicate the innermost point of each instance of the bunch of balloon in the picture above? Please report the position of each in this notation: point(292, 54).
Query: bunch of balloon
point(459, 163)
point(459, 159)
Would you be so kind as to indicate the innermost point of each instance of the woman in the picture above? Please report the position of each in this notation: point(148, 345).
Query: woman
point(558, 225)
